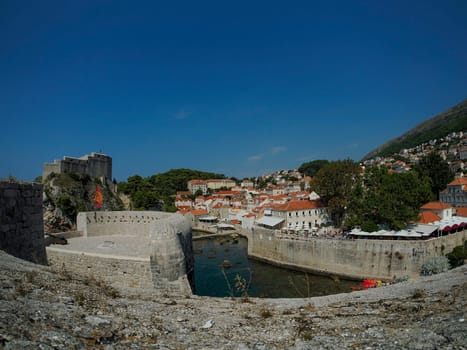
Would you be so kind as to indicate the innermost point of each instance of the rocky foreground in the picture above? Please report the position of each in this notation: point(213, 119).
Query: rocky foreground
point(45, 309)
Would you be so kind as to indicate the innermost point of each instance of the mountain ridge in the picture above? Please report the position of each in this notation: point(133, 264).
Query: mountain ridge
point(452, 120)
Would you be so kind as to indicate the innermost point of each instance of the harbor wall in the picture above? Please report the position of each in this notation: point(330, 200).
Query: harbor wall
point(353, 258)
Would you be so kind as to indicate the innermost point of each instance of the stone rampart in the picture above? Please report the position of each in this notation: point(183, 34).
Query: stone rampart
point(360, 258)
point(170, 262)
point(21, 221)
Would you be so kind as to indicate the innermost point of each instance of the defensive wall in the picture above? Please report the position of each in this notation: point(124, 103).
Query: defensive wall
point(95, 165)
point(356, 258)
point(21, 221)
point(131, 249)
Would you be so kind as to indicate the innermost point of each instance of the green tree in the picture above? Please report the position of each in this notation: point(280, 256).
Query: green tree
point(437, 170)
point(388, 200)
point(335, 183)
point(158, 191)
point(312, 168)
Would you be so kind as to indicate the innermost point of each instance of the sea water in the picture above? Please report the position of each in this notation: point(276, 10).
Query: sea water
point(222, 268)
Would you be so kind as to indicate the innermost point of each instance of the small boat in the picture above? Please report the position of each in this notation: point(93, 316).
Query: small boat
point(226, 264)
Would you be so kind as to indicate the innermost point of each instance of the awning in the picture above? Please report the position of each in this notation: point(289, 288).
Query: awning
point(207, 218)
point(270, 221)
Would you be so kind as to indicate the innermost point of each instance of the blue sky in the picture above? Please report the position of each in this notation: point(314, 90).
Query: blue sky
point(241, 88)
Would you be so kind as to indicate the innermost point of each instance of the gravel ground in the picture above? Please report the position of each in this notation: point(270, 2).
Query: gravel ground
point(45, 309)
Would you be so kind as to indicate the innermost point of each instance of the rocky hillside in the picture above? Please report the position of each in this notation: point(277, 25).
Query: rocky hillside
point(51, 308)
point(454, 119)
point(67, 194)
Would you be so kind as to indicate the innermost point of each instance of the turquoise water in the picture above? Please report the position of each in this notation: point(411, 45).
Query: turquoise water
point(263, 280)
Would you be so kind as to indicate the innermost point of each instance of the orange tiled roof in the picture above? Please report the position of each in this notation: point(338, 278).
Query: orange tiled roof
point(427, 217)
point(183, 207)
point(435, 206)
point(461, 211)
point(197, 181)
point(198, 212)
point(220, 180)
point(299, 205)
point(461, 181)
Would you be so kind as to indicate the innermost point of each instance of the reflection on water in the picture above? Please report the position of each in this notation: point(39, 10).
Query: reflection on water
point(265, 280)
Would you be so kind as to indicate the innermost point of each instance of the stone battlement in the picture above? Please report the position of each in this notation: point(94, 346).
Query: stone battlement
point(95, 165)
point(144, 249)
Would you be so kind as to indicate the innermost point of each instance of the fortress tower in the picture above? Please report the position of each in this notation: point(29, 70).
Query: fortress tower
point(95, 165)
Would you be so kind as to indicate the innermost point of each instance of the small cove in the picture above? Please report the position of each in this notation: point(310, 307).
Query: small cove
point(265, 280)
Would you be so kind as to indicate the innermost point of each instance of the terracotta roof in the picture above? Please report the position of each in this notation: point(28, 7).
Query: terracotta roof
point(199, 212)
point(228, 193)
point(461, 211)
point(279, 197)
point(427, 217)
point(183, 207)
point(435, 206)
point(197, 181)
point(461, 181)
point(299, 205)
point(220, 180)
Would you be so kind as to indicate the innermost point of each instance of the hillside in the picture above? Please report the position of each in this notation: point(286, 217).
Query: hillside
point(454, 119)
point(67, 194)
point(157, 192)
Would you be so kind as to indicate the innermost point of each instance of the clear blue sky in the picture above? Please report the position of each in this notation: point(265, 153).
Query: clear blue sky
point(239, 87)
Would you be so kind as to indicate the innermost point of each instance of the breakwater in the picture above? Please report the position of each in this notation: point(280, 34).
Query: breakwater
point(352, 258)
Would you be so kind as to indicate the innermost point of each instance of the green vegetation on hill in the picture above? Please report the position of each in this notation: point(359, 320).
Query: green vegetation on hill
point(67, 194)
point(312, 168)
point(453, 120)
point(157, 192)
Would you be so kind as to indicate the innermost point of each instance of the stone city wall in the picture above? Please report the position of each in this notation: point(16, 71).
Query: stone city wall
point(21, 221)
point(120, 273)
point(171, 261)
point(359, 258)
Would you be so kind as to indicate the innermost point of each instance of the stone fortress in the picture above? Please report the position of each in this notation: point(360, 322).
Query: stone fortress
point(128, 249)
point(153, 250)
point(96, 165)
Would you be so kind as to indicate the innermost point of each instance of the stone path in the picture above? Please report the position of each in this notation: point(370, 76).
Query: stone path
point(41, 308)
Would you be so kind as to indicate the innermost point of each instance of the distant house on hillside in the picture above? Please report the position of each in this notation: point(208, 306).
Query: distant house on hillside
point(212, 184)
point(95, 165)
point(441, 210)
point(195, 185)
point(456, 193)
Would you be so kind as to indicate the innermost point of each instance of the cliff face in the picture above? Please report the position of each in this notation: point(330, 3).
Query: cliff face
point(67, 194)
point(42, 307)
